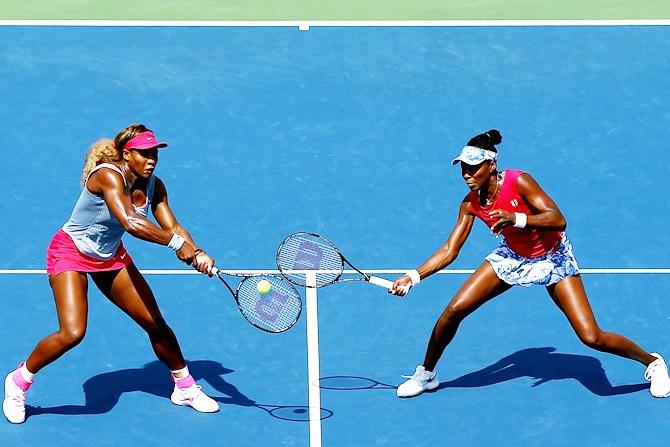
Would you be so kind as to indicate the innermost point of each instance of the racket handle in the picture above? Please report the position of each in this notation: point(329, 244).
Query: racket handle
point(381, 282)
point(215, 271)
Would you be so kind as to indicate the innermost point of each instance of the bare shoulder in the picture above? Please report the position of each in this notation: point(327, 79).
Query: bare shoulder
point(105, 178)
point(160, 192)
point(159, 183)
point(526, 182)
point(465, 207)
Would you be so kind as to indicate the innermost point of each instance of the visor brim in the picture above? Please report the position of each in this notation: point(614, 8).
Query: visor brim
point(158, 145)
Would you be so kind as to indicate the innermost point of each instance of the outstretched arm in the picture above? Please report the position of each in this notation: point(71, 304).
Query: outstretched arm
point(444, 255)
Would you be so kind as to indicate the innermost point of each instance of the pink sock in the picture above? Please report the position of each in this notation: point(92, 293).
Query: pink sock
point(22, 383)
point(185, 382)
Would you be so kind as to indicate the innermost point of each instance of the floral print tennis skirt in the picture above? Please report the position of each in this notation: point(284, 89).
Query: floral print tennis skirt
point(545, 270)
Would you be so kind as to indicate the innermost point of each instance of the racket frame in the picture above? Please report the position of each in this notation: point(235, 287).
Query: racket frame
point(219, 274)
point(376, 280)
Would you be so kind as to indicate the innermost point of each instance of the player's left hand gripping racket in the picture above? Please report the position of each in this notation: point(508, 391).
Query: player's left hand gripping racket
point(308, 251)
point(275, 311)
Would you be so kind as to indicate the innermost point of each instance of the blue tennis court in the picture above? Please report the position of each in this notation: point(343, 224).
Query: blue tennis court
point(347, 132)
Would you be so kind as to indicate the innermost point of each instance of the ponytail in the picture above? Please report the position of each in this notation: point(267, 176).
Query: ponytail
point(486, 140)
point(102, 151)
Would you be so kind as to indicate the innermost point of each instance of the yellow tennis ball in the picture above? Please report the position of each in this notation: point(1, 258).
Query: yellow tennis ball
point(263, 286)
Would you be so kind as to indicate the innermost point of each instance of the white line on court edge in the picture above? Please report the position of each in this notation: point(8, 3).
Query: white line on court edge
point(588, 271)
point(306, 25)
point(313, 375)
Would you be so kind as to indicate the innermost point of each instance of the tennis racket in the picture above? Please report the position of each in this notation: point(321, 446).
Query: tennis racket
point(304, 251)
point(276, 310)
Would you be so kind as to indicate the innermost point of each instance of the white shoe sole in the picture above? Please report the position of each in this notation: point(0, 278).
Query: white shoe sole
point(430, 386)
point(4, 411)
point(661, 396)
point(185, 403)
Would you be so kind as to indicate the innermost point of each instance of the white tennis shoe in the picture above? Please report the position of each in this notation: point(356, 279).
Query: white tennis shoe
point(194, 397)
point(657, 374)
point(418, 382)
point(14, 404)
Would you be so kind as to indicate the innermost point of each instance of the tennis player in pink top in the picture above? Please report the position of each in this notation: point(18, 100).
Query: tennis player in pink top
point(534, 250)
point(119, 189)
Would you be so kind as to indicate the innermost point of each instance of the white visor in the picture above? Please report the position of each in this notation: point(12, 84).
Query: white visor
point(473, 155)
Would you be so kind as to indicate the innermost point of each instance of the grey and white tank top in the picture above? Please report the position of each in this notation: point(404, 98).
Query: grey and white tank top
point(94, 230)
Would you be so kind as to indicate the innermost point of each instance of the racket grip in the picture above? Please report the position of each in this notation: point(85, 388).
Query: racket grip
point(381, 282)
point(215, 271)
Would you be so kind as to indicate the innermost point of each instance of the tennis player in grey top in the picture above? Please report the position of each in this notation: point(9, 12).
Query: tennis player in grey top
point(119, 188)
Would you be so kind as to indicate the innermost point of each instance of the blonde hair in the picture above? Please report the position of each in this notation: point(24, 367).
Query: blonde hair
point(102, 151)
point(109, 151)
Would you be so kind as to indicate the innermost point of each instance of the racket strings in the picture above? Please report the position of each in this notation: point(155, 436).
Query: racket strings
point(274, 311)
point(308, 252)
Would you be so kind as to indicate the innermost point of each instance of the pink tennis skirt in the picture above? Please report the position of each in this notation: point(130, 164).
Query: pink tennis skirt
point(62, 256)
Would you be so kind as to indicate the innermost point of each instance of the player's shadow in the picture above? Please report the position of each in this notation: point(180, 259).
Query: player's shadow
point(545, 365)
point(102, 392)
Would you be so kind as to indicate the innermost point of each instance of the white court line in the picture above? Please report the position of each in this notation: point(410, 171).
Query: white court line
point(313, 374)
point(588, 271)
point(307, 24)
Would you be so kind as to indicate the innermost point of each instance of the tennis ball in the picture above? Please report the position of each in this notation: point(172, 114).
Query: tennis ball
point(263, 286)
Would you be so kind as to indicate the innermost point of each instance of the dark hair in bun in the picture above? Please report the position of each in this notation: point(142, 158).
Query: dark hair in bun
point(486, 140)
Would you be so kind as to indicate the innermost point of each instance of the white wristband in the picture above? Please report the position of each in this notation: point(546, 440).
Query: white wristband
point(176, 242)
point(414, 276)
point(520, 220)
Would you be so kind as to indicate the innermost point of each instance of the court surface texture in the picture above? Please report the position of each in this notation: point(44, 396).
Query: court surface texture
point(347, 131)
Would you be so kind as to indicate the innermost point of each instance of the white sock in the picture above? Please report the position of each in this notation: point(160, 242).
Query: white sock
point(27, 375)
point(181, 373)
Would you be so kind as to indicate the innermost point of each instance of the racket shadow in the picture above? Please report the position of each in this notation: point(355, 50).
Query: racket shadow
point(103, 391)
point(352, 383)
point(544, 365)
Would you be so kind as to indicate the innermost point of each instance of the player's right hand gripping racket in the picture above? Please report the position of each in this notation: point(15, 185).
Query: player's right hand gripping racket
point(308, 251)
point(276, 310)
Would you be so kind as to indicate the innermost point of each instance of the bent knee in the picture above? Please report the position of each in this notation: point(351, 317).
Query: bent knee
point(592, 338)
point(72, 336)
point(454, 313)
point(156, 328)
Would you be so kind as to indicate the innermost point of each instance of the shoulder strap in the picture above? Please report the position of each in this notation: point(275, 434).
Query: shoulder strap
point(511, 182)
point(474, 201)
point(110, 166)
